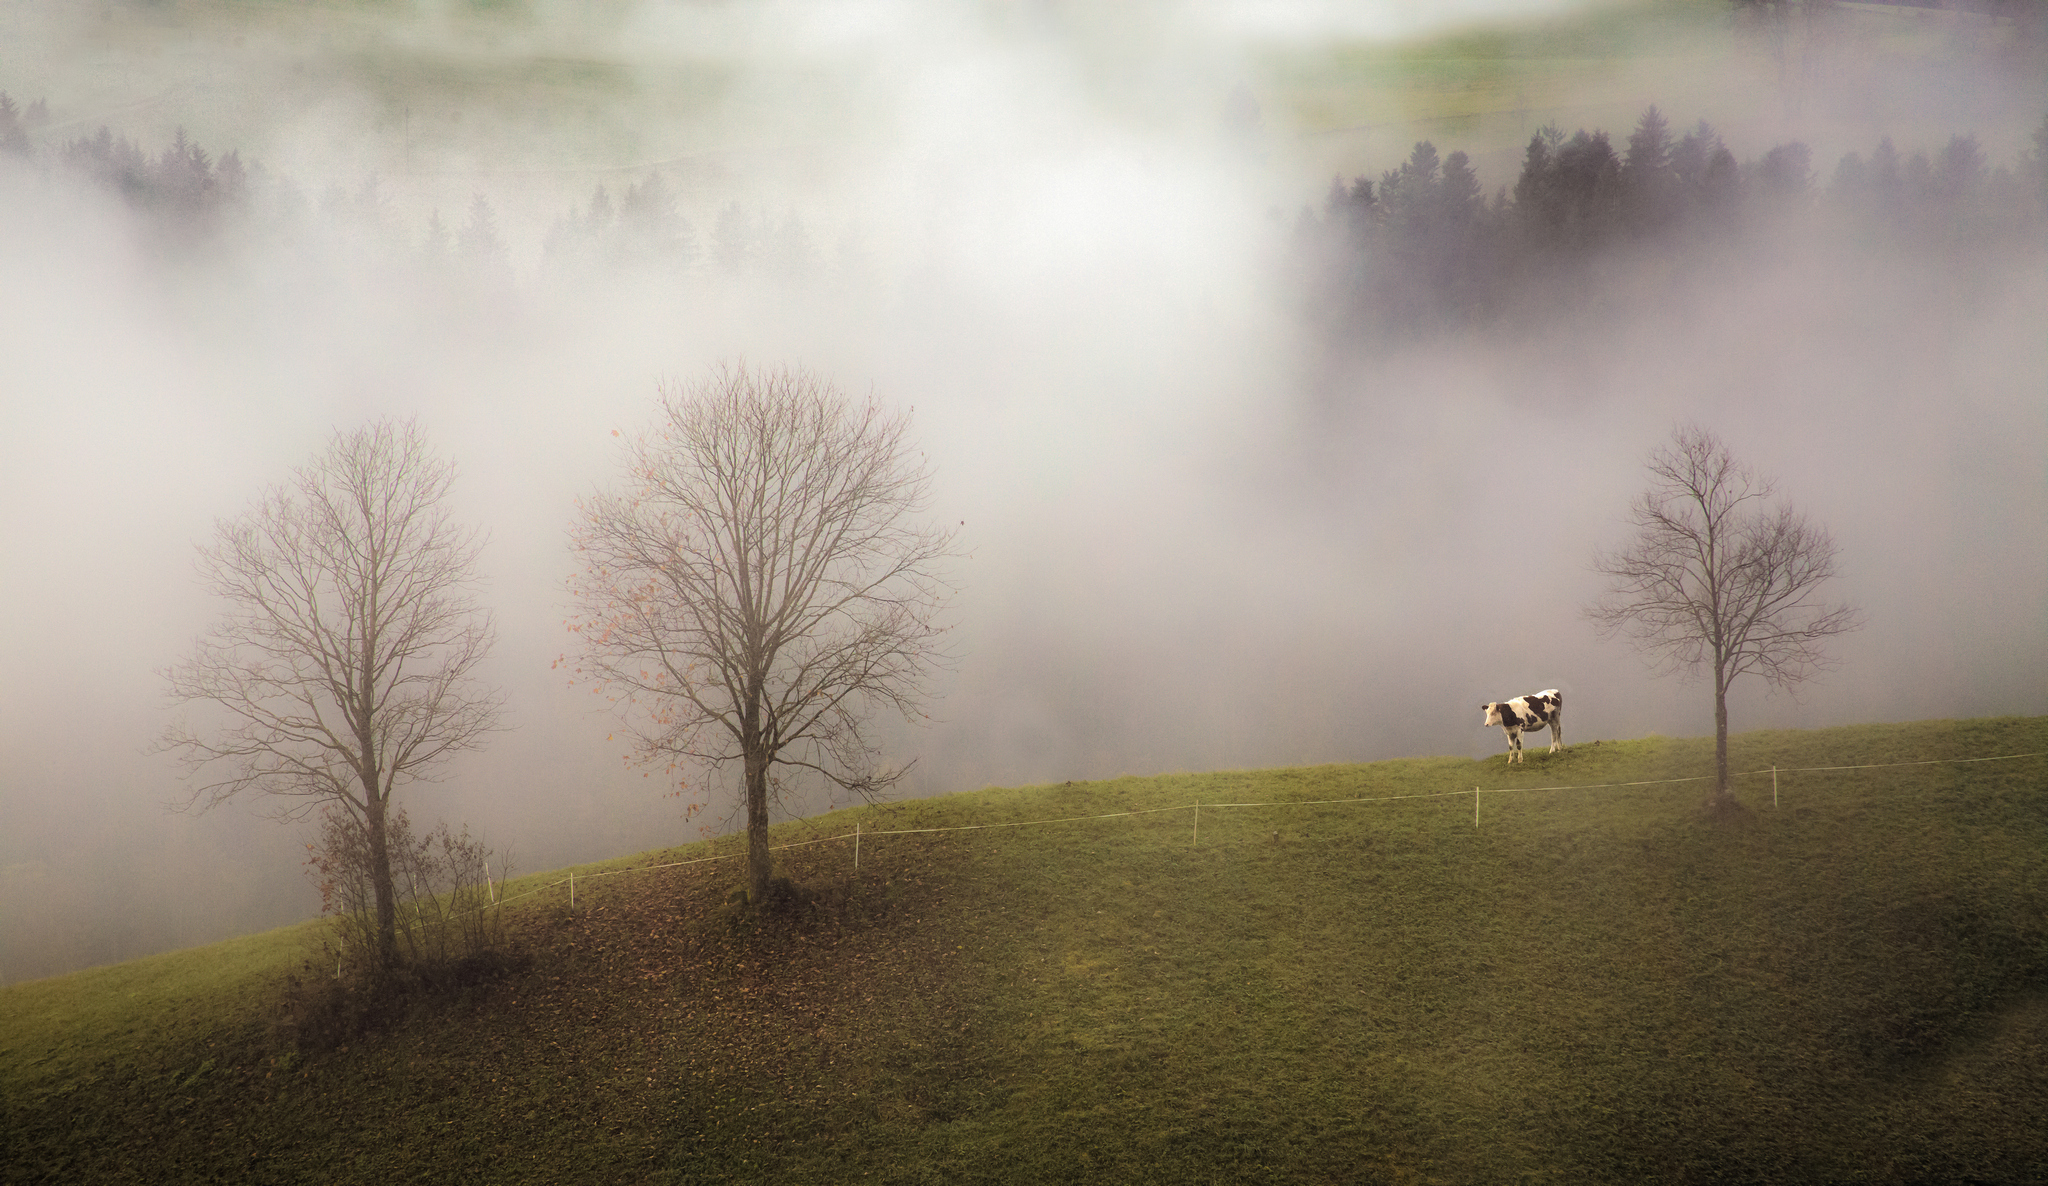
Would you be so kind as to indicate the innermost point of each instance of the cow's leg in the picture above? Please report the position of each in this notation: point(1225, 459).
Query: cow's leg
point(1514, 746)
point(1557, 731)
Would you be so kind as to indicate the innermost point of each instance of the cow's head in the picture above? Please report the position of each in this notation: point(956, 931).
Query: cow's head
point(1492, 710)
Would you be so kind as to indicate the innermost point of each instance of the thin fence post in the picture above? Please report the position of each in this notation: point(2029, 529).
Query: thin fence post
point(1475, 807)
point(856, 846)
point(1198, 825)
point(572, 891)
point(1774, 788)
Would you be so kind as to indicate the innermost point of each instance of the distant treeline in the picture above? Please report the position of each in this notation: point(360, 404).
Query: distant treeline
point(1420, 250)
point(1423, 249)
point(187, 196)
point(645, 227)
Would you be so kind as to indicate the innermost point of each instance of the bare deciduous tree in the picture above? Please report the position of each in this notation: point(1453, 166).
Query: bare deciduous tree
point(760, 586)
point(345, 664)
point(1718, 578)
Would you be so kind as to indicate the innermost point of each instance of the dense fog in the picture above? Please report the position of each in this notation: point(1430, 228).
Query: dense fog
point(1206, 525)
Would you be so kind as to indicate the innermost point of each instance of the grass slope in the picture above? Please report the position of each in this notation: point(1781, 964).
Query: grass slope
point(1590, 985)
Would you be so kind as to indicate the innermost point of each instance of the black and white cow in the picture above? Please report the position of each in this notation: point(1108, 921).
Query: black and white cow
point(1528, 714)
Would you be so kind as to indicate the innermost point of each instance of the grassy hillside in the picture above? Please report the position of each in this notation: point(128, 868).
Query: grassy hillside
point(1589, 985)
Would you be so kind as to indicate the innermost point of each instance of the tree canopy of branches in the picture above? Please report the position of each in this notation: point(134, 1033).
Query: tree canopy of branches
point(345, 665)
point(1720, 578)
point(760, 584)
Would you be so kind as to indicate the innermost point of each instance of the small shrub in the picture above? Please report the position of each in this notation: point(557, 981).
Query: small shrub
point(448, 916)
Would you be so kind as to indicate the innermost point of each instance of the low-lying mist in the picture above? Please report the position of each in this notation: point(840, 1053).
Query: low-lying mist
point(1201, 534)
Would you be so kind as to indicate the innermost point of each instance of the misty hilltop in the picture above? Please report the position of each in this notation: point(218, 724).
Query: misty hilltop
point(1249, 469)
point(1297, 975)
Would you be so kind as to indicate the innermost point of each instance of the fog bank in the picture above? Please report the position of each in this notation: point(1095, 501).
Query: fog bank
point(1197, 537)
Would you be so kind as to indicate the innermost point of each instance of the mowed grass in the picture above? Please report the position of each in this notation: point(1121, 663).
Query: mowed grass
point(1486, 91)
point(1588, 985)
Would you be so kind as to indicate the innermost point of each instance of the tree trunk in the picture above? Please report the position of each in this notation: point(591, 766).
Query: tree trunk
point(375, 801)
point(759, 864)
point(380, 880)
point(1724, 794)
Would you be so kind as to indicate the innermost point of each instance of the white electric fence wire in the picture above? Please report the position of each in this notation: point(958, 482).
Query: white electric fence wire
point(861, 832)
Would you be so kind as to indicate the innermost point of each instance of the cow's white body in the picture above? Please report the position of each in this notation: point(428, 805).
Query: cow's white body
point(1528, 714)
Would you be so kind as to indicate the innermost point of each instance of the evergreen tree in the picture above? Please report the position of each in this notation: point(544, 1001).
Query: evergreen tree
point(1532, 187)
point(599, 219)
point(736, 241)
point(1689, 159)
point(1851, 182)
point(231, 180)
point(1887, 182)
point(1409, 203)
point(434, 247)
point(791, 256)
point(1960, 171)
point(478, 246)
point(13, 135)
point(1649, 147)
point(1464, 268)
point(575, 234)
point(2034, 167)
point(1849, 189)
point(1569, 193)
point(1916, 185)
point(1646, 173)
point(1704, 175)
point(1720, 186)
point(1459, 197)
point(1785, 174)
point(1351, 213)
point(1590, 176)
point(650, 227)
point(1960, 184)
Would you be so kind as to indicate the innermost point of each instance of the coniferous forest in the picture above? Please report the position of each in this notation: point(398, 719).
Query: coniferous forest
point(1424, 249)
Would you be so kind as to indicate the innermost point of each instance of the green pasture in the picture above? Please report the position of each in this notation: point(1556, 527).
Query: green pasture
point(1347, 981)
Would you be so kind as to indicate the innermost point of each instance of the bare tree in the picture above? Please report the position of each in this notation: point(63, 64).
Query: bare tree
point(759, 587)
point(345, 664)
point(1717, 579)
